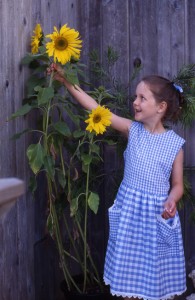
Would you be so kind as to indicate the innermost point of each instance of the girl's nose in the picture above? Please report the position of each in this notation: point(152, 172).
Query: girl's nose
point(135, 102)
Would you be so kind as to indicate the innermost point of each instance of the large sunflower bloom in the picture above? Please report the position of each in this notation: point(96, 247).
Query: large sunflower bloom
point(99, 118)
point(36, 38)
point(64, 44)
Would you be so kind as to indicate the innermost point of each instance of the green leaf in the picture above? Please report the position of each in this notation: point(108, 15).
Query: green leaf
point(61, 178)
point(95, 148)
point(74, 117)
point(35, 154)
point(62, 128)
point(86, 158)
point(93, 202)
point(27, 59)
point(19, 134)
point(110, 142)
point(32, 184)
point(44, 94)
point(49, 165)
point(71, 74)
point(112, 55)
point(34, 81)
point(78, 133)
point(43, 55)
point(50, 225)
point(21, 111)
point(33, 57)
point(72, 78)
point(40, 69)
point(73, 207)
point(84, 168)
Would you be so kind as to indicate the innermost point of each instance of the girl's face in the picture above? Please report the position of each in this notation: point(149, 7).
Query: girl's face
point(145, 106)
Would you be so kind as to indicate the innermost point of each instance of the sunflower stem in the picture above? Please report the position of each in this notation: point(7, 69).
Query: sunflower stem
point(86, 218)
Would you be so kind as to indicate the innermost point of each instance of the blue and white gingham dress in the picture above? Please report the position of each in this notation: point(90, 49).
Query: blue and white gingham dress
point(145, 257)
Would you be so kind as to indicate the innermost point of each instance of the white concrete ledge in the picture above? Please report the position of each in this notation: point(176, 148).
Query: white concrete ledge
point(10, 190)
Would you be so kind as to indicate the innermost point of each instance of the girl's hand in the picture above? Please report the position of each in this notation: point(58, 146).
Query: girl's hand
point(170, 209)
point(58, 72)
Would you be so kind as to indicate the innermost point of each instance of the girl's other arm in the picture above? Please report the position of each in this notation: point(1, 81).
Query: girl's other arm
point(176, 187)
point(86, 101)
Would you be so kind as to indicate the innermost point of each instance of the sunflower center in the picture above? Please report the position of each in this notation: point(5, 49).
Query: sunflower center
point(61, 43)
point(97, 118)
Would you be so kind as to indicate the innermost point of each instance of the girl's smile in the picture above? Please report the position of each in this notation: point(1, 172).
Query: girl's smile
point(144, 104)
point(147, 109)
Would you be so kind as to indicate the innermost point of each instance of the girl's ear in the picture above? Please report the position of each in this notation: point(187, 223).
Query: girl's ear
point(162, 107)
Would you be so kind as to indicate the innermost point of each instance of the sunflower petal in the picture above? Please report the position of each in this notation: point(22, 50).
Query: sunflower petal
point(66, 44)
point(98, 120)
point(36, 38)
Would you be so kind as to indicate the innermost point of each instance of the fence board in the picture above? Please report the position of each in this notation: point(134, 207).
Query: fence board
point(17, 267)
point(135, 37)
point(82, 17)
point(10, 258)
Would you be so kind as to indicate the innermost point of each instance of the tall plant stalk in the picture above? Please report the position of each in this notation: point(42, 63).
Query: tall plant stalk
point(69, 181)
point(85, 224)
point(53, 214)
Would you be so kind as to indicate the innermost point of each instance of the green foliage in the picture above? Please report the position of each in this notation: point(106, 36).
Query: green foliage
point(44, 95)
point(186, 79)
point(25, 109)
point(35, 154)
point(113, 94)
point(93, 202)
point(62, 128)
point(188, 197)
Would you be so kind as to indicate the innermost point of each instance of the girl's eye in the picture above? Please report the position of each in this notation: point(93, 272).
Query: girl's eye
point(143, 98)
point(133, 98)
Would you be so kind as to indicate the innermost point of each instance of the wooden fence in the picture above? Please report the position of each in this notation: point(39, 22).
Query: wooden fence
point(160, 33)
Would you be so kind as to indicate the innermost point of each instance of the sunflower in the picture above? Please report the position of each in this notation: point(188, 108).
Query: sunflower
point(99, 118)
point(36, 39)
point(64, 44)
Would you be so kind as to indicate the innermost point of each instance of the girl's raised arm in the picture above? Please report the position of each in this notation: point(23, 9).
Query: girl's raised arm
point(87, 102)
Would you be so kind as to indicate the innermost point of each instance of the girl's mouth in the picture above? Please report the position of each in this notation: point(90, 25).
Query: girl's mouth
point(137, 110)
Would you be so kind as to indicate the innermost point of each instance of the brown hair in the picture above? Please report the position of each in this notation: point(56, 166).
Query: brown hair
point(164, 90)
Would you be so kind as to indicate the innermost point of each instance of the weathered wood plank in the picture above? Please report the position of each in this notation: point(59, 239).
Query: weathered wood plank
point(135, 39)
point(10, 255)
point(83, 27)
point(171, 33)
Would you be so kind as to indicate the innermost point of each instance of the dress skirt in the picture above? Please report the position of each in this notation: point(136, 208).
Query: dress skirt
point(144, 255)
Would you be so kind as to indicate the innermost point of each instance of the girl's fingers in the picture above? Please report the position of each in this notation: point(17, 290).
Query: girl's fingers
point(164, 214)
point(168, 213)
point(58, 72)
point(51, 68)
point(48, 71)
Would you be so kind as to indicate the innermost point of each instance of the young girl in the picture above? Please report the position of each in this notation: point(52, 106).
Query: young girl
point(144, 257)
